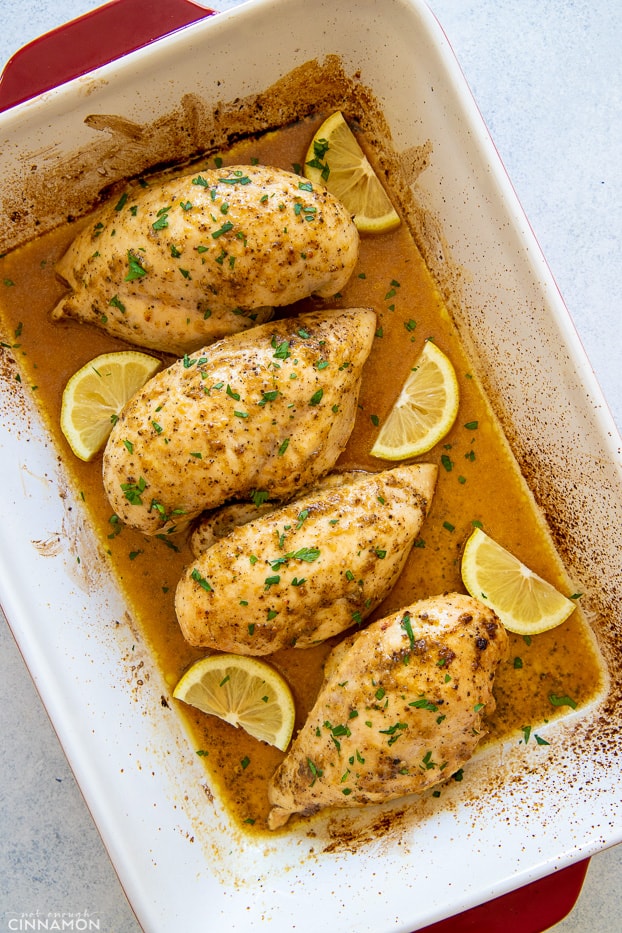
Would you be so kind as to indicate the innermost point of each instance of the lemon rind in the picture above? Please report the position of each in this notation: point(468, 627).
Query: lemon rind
point(365, 223)
point(253, 667)
point(72, 433)
point(384, 451)
point(510, 620)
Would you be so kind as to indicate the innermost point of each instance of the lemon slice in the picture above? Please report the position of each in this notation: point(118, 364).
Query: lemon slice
point(336, 160)
point(94, 396)
point(525, 603)
point(424, 411)
point(244, 692)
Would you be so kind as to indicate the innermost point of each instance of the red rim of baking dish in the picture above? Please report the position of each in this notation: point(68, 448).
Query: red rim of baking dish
point(97, 38)
point(104, 35)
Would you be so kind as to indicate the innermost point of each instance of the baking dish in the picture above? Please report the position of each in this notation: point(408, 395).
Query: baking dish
point(496, 256)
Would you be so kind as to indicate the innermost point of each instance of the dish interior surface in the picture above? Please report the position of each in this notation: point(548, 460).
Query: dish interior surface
point(77, 629)
point(479, 485)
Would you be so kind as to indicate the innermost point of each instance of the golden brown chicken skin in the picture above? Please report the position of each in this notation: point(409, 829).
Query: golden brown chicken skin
point(178, 265)
point(267, 410)
point(308, 570)
point(401, 709)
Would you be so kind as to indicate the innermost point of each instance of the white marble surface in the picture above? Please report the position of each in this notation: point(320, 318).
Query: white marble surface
point(547, 75)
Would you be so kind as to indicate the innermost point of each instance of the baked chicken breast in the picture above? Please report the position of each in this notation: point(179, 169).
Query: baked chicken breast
point(309, 570)
point(401, 709)
point(266, 411)
point(177, 265)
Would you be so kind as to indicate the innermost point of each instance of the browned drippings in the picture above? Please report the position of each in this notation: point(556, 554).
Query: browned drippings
point(479, 482)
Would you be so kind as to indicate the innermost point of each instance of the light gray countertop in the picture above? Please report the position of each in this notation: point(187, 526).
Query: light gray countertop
point(547, 76)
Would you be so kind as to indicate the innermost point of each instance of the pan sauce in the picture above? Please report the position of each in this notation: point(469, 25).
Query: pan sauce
point(479, 482)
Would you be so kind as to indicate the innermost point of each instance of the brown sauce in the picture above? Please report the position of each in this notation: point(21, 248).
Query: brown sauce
point(479, 482)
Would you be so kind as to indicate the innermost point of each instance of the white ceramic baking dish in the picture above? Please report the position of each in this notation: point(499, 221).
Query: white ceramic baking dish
point(183, 864)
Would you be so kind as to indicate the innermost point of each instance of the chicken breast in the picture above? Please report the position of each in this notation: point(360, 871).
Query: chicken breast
point(176, 266)
point(266, 411)
point(218, 523)
point(400, 710)
point(309, 570)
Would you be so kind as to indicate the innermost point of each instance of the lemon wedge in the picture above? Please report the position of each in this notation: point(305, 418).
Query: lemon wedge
point(243, 692)
point(424, 411)
point(525, 603)
point(336, 160)
point(96, 393)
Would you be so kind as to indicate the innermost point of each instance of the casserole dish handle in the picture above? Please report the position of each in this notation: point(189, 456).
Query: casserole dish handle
point(94, 39)
point(533, 908)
